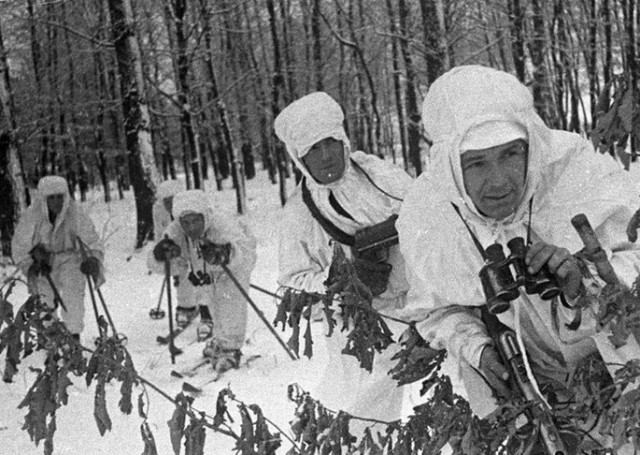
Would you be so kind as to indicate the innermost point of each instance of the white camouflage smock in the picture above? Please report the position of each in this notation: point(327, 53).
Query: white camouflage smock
point(226, 303)
point(565, 177)
point(62, 239)
point(306, 250)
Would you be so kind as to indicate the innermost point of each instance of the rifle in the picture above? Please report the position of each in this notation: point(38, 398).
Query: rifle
point(538, 411)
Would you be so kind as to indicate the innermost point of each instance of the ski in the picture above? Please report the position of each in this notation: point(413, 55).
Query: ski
point(213, 374)
point(166, 339)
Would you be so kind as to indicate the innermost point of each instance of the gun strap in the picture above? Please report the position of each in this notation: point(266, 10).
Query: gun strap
point(334, 231)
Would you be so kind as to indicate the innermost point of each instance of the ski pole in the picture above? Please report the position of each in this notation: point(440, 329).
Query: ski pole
point(157, 313)
point(172, 347)
point(258, 312)
point(57, 300)
point(264, 291)
point(84, 255)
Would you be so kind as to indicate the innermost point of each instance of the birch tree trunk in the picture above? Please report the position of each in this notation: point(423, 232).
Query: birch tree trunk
point(142, 167)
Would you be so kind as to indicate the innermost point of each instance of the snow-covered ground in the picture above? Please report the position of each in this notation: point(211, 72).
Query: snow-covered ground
point(130, 292)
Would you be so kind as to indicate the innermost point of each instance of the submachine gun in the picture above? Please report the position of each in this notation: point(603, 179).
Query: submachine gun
point(538, 411)
point(373, 242)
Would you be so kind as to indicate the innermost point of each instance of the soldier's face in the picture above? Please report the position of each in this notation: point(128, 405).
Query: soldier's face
point(55, 203)
point(325, 160)
point(494, 177)
point(193, 225)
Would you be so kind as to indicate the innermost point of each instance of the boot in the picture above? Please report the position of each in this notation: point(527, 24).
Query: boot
point(185, 315)
point(222, 358)
point(205, 330)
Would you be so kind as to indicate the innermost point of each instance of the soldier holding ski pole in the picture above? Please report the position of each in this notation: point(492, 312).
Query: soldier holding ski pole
point(44, 247)
point(196, 243)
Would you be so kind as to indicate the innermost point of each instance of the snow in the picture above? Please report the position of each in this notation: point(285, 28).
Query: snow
point(130, 292)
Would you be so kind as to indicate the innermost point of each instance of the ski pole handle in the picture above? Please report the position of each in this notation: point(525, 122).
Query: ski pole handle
point(593, 250)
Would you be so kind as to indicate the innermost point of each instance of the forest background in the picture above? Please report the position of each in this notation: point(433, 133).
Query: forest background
point(126, 91)
point(122, 94)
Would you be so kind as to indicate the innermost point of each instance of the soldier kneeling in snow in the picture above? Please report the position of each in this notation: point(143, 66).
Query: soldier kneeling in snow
point(48, 247)
point(197, 243)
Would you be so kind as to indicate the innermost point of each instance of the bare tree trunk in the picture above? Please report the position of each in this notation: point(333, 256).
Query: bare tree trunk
point(275, 100)
point(36, 57)
point(213, 94)
point(179, 12)
point(608, 43)
point(560, 60)
point(260, 90)
point(356, 47)
point(142, 166)
point(50, 161)
point(397, 88)
point(541, 89)
point(591, 57)
point(516, 27)
point(317, 44)
point(12, 187)
point(435, 50)
point(413, 111)
point(628, 10)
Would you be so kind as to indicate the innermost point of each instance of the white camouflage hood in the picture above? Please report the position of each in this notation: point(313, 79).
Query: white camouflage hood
point(50, 185)
point(307, 121)
point(472, 99)
point(192, 201)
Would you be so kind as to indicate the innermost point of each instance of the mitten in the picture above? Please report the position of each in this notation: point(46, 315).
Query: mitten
point(41, 260)
point(166, 249)
point(91, 267)
point(374, 275)
point(216, 253)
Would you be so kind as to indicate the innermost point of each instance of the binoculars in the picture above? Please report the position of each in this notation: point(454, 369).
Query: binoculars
point(199, 278)
point(502, 276)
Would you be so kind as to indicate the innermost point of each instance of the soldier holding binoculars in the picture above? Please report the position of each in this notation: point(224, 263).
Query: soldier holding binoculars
point(486, 233)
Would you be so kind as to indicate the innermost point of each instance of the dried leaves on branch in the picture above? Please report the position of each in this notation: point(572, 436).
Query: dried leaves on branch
point(443, 417)
point(367, 330)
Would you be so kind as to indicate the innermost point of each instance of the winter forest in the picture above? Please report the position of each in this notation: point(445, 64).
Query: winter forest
point(119, 95)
